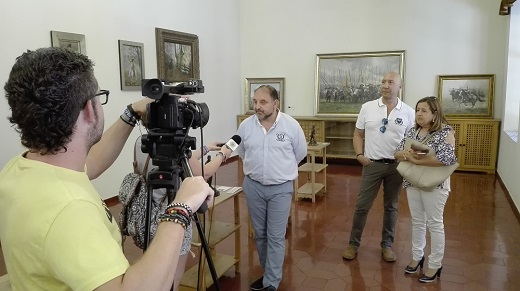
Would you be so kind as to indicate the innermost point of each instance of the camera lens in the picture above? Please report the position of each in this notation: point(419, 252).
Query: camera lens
point(155, 88)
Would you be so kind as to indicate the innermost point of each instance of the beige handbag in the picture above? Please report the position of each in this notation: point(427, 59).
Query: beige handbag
point(424, 177)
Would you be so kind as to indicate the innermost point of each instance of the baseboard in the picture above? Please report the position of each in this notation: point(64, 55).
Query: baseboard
point(509, 198)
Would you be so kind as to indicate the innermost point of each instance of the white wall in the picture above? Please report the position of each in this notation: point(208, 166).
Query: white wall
point(509, 158)
point(282, 38)
point(27, 24)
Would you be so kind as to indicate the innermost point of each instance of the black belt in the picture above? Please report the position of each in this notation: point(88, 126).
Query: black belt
point(385, 161)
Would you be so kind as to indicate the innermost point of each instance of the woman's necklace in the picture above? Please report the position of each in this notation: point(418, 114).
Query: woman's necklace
point(420, 134)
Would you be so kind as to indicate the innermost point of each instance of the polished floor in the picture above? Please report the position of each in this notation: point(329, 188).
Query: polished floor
point(482, 240)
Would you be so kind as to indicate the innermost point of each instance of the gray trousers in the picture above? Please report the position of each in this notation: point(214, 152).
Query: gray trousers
point(373, 175)
point(269, 208)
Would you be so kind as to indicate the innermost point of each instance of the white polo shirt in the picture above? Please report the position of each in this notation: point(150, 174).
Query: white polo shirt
point(379, 145)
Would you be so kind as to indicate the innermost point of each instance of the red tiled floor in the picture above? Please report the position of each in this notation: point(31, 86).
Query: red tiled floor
point(482, 240)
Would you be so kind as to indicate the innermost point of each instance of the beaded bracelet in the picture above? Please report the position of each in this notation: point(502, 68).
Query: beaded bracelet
point(176, 218)
point(174, 210)
point(182, 205)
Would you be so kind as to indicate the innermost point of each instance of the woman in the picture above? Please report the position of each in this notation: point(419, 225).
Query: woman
point(427, 206)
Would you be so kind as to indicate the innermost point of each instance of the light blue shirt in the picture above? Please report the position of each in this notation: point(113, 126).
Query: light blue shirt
point(271, 157)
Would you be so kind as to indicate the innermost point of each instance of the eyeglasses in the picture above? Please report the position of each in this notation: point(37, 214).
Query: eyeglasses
point(103, 100)
point(383, 128)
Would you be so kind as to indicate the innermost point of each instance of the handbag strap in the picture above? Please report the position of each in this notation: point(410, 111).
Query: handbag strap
point(430, 135)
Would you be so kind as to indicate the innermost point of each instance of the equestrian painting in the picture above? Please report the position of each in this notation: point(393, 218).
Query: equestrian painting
point(467, 95)
point(345, 81)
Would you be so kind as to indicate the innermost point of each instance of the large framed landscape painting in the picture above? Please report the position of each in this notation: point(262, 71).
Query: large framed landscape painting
point(345, 81)
point(468, 96)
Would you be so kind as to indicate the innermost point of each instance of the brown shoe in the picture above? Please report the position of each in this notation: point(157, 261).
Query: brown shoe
point(388, 255)
point(350, 252)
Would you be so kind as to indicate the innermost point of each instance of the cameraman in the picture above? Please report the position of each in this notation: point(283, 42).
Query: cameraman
point(56, 232)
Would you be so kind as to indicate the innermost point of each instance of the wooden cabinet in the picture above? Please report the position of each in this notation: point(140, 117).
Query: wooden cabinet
point(476, 143)
point(476, 139)
point(311, 168)
point(219, 231)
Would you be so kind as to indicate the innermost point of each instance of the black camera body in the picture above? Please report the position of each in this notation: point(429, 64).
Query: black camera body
point(169, 119)
point(169, 112)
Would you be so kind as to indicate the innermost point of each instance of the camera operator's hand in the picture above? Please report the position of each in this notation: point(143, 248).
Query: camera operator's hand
point(140, 107)
point(193, 192)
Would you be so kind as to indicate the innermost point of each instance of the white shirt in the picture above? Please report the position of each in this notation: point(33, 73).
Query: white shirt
point(379, 145)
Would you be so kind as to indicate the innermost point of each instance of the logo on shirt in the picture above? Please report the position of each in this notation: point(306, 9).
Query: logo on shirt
point(280, 137)
point(399, 121)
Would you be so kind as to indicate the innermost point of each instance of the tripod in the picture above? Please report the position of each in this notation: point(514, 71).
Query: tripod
point(168, 175)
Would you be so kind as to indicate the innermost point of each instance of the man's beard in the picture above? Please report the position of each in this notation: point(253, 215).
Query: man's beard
point(95, 132)
point(266, 116)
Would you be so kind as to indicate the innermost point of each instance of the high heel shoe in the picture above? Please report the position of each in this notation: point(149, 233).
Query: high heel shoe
point(426, 279)
point(412, 270)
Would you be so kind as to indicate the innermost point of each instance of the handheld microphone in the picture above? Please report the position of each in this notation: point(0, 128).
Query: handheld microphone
point(233, 143)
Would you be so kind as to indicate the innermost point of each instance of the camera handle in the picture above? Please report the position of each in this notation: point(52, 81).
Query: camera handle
point(170, 181)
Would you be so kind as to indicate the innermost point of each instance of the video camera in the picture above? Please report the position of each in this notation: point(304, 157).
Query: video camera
point(169, 118)
point(169, 112)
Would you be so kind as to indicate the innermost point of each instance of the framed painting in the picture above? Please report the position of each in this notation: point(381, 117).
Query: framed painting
point(131, 65)
point(345, 81)
point(71, 41)
point(468, 96)
point(177, 55)
point(253, 83)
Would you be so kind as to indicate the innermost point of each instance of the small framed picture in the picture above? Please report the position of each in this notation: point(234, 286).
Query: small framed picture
point(131, 65)
point(177, 55)
point(71, 41)
point(468, 96)
point(253, 83)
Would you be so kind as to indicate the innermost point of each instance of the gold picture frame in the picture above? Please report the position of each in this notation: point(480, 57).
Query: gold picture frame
point(345, 81)
point(253, 83)
point(131, 65)
point(467, 96)
point(177, 55)
point(71, 41)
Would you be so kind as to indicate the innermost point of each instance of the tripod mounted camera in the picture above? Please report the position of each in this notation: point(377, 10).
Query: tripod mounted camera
point(169, 146)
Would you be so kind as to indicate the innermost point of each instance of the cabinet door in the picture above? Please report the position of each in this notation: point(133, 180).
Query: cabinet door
point(476, 144)
point(480, 146)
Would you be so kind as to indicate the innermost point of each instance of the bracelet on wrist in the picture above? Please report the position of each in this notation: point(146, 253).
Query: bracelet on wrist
point(124, 117)
point(181, 205)
point(205, 150)
point(222, 155)
point(358, 155)
point(132, 111)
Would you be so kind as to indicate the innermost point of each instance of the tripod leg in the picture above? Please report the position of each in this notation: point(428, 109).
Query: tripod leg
point(207, 253)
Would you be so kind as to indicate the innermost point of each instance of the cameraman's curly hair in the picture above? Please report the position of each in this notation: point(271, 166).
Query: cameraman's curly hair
point(46, 90)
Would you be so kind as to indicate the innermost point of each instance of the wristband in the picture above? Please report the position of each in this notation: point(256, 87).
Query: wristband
point(205, 150)
point(224, 158)
point(358, 155)
point(132, 111)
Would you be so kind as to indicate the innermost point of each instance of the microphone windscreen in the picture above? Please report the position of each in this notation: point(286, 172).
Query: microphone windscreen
point(233, 143)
